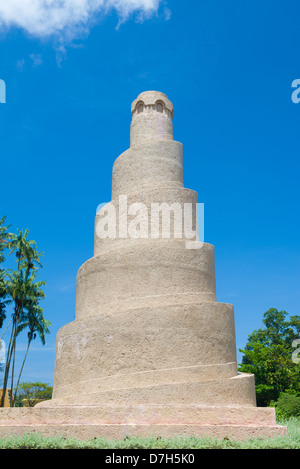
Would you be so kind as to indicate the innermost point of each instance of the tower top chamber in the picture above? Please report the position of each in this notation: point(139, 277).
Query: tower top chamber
point(152, 114)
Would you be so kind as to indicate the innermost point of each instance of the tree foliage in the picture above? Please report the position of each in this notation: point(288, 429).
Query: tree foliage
point(24, 291)
point(32, 391)
point(4, 240)
point(287, 405)
point(268, 355)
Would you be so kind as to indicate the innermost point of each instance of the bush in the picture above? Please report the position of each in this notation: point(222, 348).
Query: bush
point(287, 405)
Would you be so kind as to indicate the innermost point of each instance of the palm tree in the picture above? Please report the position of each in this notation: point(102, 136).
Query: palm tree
point(31, 293)
point(26, 251)
point(4, 241)
point(37, 324)
point(24, 291)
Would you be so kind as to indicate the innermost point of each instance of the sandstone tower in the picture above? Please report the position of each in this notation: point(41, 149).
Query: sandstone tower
point(150, 349)
point(148, 328)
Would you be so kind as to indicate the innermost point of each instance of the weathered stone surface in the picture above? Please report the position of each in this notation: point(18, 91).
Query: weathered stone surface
point(118, 421)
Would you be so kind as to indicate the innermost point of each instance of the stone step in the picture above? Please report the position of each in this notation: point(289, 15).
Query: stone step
point(118, 421)
point(114, 432)
point(137, 415)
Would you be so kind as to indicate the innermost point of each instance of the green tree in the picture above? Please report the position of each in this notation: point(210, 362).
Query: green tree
point(25, 293)
point(4, 241)
point(287, 405)
point(268, 355)
point(37, 324)
point(32, 391)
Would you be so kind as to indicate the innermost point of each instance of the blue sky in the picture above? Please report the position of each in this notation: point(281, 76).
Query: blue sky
point(228, 67)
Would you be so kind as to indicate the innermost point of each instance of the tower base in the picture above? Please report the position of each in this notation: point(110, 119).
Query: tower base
point(85, 422)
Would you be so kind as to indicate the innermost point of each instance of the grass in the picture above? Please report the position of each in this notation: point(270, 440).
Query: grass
point(37, 441)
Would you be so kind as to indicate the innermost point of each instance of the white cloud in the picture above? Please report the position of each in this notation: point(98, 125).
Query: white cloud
point(67, 18)
point(168, 13)
point(36, 59)
point(20, 64)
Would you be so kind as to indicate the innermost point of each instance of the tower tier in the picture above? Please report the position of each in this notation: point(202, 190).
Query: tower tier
point(145, 274)
point(176, 348)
